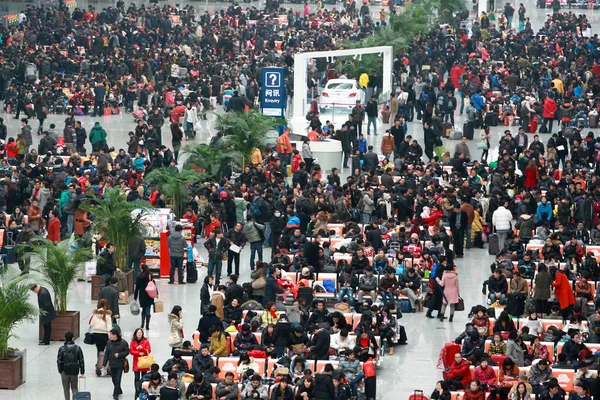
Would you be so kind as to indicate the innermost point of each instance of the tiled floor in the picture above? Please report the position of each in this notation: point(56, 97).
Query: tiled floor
point(412, 367)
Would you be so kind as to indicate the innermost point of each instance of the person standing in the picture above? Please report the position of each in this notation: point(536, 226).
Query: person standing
point(115, 356)
point(284, 150)
point(136, 250)
point(110, 293)
point(236, 237)
point(371, 111)
point(99, 94)
point(146, 302)
point(458, 226)
point(217, 247)
point(47, 312)
point(451, 291)
point(509, 11)
point(70, 364)
point(139, 347)
point(253, 232)
point(177, 247)
point(97, 137)
point(101, 324)
point(358, 116)
point(502, 221)
point(53, 227)
point(521, 12)
point(307, 154)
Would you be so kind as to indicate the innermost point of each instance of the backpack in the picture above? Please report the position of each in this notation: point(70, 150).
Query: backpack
point(441, 100)
point(255, 209)
point(361, 205)
point(424, 97)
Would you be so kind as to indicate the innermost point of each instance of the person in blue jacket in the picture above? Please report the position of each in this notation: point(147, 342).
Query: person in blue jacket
point(544, 210)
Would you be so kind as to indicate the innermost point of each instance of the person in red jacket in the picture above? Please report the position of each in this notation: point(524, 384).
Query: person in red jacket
point(485, 374)
point(139, 346)
point(564, 292)
point(459, 375)
point(549, 113)
point(53, 228)
point(436, 213)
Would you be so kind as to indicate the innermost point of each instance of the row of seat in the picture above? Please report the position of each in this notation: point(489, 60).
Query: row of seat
point(588, 248)
point(546, 323)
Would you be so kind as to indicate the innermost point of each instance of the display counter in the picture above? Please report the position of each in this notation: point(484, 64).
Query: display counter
point(327, 152)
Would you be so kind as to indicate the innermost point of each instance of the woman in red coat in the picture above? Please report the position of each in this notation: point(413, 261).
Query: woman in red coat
point(564, 293)
point(549, 112)
point(140, 346)
point(531, 174)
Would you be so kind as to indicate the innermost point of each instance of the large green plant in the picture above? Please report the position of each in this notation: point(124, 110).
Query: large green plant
point(174, 184)
point(114, 221)
point(212, 161)
point(59, 266)
point(15, 307)
point(245, 131)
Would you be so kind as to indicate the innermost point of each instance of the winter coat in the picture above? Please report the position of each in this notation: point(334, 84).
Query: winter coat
point(563, 291)
point(526, 226)
point(387, 144)
point(137, 353)
point(218, 347)
point(119, 347)
point(543, 282)
point(176, 331)
point(97, 134)
point(251, 231)
point(140, 291)
point(549, 108)
point(271, 289)
point(324, 389)
point(47, 312)
point(262, 391)
point(487, 375)
point(501, 218)
point(459, 371)
point(100, 325)
point(218, 300)
point(177, 244)
point(202, 364)
point(206, 322)
point(70, 359)
point(451, 287)
point(515, 353)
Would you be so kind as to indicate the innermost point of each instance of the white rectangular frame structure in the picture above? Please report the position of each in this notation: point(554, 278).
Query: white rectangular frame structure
point(298, 121)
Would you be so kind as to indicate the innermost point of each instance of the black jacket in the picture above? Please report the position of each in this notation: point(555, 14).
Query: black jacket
point(168, 365)
point(111, 294)
point(234, 291)
point(45, 304)
point(202, 389)
point(207, 320)
point(105, 264)
point(271, 290)
point(320, 345)
point(202, 364)
point(324, 387)
point(119, 347)
point(70, 359)
point(231, 313)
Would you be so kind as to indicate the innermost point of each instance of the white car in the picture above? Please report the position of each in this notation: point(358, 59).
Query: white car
point(341, 93)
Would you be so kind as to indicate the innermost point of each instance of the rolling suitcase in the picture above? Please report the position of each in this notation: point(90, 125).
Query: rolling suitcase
point(82, 395)
point(469, 130)
point(515, 304)
point(191, 272)
point(493, 244)
point(451, 349)
point(593, 119)
point(417, 395)
point(10, 249)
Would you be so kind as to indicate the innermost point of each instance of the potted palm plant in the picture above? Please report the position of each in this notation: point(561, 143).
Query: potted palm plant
point(212, 161)
point(59, 266)
point(245, 131)
point(173, 184)
point(15, 309)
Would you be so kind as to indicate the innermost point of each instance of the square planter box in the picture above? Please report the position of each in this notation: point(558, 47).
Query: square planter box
point(11, 372)
point(97, 283)
point(130, 281)
point(63, 324)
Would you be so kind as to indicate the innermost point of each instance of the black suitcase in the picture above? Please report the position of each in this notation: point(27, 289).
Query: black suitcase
point(493, 244)
point(491, 119)
point(515, 304)
point(306, 292)
point(191, 272)
point(469, 130)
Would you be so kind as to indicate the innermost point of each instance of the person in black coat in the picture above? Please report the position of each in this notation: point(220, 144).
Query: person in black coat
point(234, 291)
point(47, 312)
point(458, 225)
point(271, 288)
point(206, 294)
point(146, 302)
point(208, 320)
point(324, 389)
point(232, 313)
point(374, 236)
point(319, 345)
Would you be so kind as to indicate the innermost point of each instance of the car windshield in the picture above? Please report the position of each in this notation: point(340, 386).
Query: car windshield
point(340, 85)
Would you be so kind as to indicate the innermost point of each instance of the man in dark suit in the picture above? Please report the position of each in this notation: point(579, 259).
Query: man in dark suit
point(47, 312)
point(458, 225)
point(234, 291)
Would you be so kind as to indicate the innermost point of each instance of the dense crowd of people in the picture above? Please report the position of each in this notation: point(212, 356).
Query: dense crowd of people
point(389, 233)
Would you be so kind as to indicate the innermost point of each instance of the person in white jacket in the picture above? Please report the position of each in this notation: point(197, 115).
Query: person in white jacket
point(502, 221)
point(190, 118)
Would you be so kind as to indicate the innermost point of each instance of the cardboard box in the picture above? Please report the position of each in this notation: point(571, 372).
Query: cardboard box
point(124, 297)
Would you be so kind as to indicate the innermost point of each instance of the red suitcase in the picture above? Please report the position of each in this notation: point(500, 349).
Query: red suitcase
point(451, 350)
point(532, 127)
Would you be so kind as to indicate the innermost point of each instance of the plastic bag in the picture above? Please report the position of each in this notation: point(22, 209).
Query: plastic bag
point(135, 308)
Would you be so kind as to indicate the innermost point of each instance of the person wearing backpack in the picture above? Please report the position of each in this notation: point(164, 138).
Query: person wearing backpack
point(70, 363)
point(450, 108)
point(255, 235)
